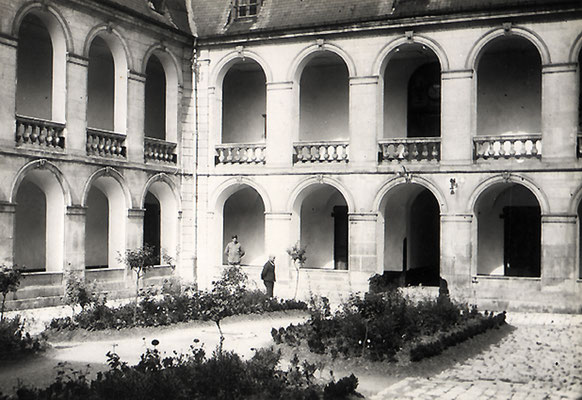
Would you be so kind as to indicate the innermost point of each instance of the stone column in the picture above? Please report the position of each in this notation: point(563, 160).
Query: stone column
point(7, 218)
point(456, 112)
point(75, 241)
point(279, 124)
point(558, 264)
point(456, 253)
point(362, 242)
point(135, 117)
point(559, 112)
point(363, 120)
point(277, 240)
point(135, 227)
point(8, 84)
point(76, 136)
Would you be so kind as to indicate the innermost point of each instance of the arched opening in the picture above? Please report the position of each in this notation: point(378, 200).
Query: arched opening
point(509, 85)
point(412, 93)
point(107, 212)
point(321, 213)
point(160, 227)
point(244, 216)
point(324, 99)
point(411, 230)
point(34, 74)
point(97, 230)
point(155, 99)
point(508, 231)
point(39, 223)
point(244, 103)
point(101, 86)
point(152, 225)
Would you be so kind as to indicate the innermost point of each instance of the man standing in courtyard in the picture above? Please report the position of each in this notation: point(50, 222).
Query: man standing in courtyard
point(234, 251)
point(268, 275)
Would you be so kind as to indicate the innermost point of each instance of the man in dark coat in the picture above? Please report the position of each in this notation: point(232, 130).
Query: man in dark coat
point(268, 275)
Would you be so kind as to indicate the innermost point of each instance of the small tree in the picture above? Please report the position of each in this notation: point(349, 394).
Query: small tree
point(297, 254)
point(78, 292)
point(9, 282)
point(139, 261)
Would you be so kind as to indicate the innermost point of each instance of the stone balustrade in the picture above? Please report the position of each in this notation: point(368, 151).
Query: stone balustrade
point(103, 143)
point(579, 152)
point(39, 132)
point(158, 150)
point(236, 153)
point(409, 149)
point(325, 151)
point(507, 146)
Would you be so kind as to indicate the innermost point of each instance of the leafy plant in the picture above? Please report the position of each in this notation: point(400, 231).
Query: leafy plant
point(15, 340)
point(9, 282)
point(298, 255)
point(80, 293)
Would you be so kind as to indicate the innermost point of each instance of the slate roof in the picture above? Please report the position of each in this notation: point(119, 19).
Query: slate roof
point(175, 13)
point(213, 17)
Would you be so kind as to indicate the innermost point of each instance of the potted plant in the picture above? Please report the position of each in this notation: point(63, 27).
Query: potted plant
point(297, 254)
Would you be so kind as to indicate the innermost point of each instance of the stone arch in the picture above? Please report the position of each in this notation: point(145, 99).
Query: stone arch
point(173, 84)
point(397, 181)
point(508, 178)
point(477, 49)
point(62, 45)
point(226, 62)
point(305, 55)
point(122, 64)
point(162, 177)
point(575, 50)
point(107, 172)
point(230, 186)
point(41, 164)
point(384, 56)
point(315, 180)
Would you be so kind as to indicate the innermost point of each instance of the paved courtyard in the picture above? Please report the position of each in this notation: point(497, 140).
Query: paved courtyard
point(540, 359)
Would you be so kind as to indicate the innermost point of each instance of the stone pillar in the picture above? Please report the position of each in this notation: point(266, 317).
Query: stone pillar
point(7, 214)
point(76, 136)
point(362, 243)
point(135, 117)
point(456, 111)
point(8, 84)
point(277, 241)
point(279, 124)
point(135, 228)
point(75, 241)
point(363, 120)
point(456, 253)
point(559, 112)
point(558, 264)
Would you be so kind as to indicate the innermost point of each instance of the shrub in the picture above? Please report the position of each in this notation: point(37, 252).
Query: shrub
point(9, 282)
point(15, 340)
point(223, 375)
point(79, 293)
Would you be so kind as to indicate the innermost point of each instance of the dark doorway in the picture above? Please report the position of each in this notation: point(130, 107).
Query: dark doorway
point(424, 101)
point(152, 225)
point(522, 239)
point(340, 237)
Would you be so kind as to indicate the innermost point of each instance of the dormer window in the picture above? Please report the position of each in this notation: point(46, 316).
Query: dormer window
point(246, 8)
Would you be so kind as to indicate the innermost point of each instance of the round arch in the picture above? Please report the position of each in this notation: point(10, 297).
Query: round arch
point(50, 16)
point(575, 50)
point(305, 55)
point(114, 39)
point(107, 172)
point(230, 186)
point(575, 202)
point(164, 178)
point(318, 180)
point(477, 49)
point(226, 62)
point(394, 182)
point(168, 60)
point(384, 56)
point(511, 178)
point(42, 165)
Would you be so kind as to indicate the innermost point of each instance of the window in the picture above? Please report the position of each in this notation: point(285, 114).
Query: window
point(246, 8)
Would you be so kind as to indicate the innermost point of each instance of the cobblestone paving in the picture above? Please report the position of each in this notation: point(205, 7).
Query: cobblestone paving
point(540, 359)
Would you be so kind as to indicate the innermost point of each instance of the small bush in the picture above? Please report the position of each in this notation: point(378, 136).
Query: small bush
point(15, 340)
point(79, 293)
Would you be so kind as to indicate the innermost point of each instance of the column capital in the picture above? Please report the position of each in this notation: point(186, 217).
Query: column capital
point(136, 213)
point(136, 76)
point(457, 217)
point(457, 74)
point(364, 80)
point(281, 216)
point(559, 68)
point(77, 60)
point(559, 218)
point(7, 207)
point(76, 210)
point(280, 85)
point(8, 40)
point(362, 216)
